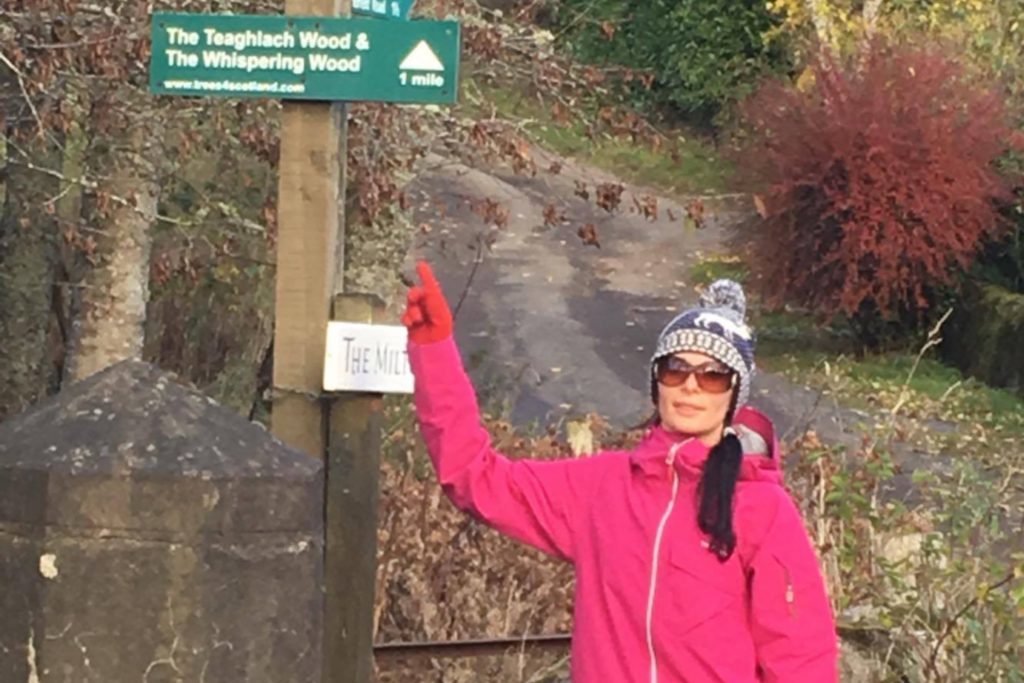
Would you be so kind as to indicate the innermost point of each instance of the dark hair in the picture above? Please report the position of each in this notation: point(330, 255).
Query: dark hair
point(716, 489)
point(717, 485)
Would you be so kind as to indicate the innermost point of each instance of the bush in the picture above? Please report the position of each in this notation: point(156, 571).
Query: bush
point(985, 334)
point(443, 575)
point(702, 56)
point(1002, 261)
point(877, 186)
point(929, 592)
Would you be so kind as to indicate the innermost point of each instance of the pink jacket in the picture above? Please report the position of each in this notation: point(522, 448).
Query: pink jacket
point(652, 604)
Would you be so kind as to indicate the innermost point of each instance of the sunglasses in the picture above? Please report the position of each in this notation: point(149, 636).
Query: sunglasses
point(712, 377)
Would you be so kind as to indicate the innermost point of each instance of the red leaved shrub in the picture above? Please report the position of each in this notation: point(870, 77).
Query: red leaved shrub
point(877, 185)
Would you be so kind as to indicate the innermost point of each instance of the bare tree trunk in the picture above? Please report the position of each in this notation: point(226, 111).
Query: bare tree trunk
point(870, 13)
point(28, 237)
point(818, 9)
point(109, 323)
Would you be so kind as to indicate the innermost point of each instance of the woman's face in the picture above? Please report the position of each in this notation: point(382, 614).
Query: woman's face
point(690, 409)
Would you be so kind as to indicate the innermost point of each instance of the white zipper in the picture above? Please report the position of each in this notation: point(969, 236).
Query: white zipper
point(654, 564)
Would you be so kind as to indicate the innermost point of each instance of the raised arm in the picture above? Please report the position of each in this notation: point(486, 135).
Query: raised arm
point(537, 502)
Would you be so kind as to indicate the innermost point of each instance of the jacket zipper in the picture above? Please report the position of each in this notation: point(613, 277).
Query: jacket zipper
point(654, 563)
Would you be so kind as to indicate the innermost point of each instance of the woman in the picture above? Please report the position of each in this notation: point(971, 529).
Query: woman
point(692, 562)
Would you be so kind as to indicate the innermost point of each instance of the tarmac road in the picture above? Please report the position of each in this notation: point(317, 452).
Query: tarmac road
point(571, 326)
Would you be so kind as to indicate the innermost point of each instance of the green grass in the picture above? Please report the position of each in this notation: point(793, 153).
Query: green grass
point(935, 381)
point(708, 270)
point(878, 382)
point(793, 341)
point(696, 168)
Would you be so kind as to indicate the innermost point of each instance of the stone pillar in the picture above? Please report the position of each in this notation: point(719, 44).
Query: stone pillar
point(149, 535)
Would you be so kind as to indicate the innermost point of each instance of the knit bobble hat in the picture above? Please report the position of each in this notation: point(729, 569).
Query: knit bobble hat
point(717, 328)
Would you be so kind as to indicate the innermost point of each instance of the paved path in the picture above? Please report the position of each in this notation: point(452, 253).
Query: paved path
point(573, 324)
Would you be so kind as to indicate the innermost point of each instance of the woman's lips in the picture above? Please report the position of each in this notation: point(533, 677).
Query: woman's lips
point(687, 409)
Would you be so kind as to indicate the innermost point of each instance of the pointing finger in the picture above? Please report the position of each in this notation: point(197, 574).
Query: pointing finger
point(426, 274)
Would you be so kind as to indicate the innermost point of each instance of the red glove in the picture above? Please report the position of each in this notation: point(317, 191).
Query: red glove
point(427, 315)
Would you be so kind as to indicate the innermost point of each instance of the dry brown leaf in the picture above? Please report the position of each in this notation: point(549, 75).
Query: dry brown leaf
point(762, 210)
point(581, 190)
point(588, 233)
point(609, 196)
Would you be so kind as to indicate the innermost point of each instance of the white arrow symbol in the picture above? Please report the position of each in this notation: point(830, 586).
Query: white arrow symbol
point(422, 58)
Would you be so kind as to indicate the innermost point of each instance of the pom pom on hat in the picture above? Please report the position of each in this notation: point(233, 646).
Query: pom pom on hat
point(727, 295)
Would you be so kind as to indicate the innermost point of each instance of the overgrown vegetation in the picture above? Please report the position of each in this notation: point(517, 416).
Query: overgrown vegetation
point(875, 222)
point(985, 334)
point(444, 576)
point(671, 161)
point(922, 557)
point(695, 58)
point(927, 590)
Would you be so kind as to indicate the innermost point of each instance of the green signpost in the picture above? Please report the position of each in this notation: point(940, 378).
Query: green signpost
point(305, 58)
point(325, 61)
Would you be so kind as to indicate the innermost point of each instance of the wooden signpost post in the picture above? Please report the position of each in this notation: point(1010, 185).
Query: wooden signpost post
point(316, 60)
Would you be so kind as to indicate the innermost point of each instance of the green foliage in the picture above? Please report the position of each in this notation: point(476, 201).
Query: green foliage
point(703, 56)
point(920, 553)
point(683, 165)
point(1002, 261)
point(210, 314)
point(985, 337)
point(708, 270)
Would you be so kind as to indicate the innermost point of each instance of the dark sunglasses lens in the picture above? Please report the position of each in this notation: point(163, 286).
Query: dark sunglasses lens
point(672, 378)
point(672, 373)
point(669, 375)
point(715, 382)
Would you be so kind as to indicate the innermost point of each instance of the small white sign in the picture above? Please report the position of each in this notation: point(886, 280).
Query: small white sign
point(362, 357)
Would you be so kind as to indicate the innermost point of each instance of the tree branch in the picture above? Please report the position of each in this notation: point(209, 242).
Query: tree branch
point(24, 90)
point(472, 274)
point(933, 658)
point(90, 184)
